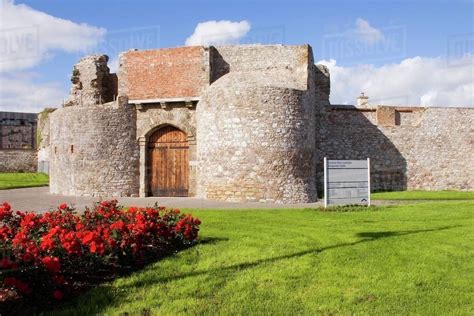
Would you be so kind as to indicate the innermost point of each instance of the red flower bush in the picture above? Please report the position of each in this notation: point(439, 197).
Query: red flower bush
point(48, 253)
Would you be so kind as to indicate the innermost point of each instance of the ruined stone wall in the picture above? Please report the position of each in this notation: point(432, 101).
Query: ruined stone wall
point(18, 160)
point(164, 73)
point(43, 140)
point(410, 148)
point(322, 85)
point(94, 150)
point(92, 82)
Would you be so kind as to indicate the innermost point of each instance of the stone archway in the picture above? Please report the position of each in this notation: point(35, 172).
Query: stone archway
point(146, 133)
point(168, 162)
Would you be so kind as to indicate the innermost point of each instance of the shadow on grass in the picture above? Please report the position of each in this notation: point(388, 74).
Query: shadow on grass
point(109, 295)
point(366, 237)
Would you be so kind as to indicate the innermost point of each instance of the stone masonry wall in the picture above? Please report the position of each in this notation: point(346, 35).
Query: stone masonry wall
point(18, 160)
point(92, 82)
point(43, 140)
point(94, 150)
point(255, 145)
point(410, 148)
point(165, 73)
point(276, 60)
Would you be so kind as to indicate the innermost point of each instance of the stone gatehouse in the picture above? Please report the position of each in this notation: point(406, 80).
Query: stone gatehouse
point(239, 123)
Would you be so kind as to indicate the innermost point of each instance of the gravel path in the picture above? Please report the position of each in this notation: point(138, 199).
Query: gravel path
point(38, 199)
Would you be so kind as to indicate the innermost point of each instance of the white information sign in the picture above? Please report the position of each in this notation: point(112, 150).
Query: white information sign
point(346, 182)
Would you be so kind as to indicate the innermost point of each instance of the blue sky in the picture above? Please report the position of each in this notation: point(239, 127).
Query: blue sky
point(423, 35)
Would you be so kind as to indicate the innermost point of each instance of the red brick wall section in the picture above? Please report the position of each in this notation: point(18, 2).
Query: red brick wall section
point(164, 73)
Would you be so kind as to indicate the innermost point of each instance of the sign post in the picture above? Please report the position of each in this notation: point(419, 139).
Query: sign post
point(325, 182)
point(346, 182)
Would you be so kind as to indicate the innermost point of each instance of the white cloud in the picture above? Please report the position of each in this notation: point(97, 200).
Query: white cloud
point(218, 33)
point(27, 38)
point(113, 64)
point(365, 32)
point(20, 93)
point(414, 81)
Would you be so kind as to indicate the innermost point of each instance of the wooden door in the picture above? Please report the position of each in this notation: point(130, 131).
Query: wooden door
point(168, 162)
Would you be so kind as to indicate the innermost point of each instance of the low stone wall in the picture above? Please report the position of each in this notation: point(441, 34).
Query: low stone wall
point(18, 160)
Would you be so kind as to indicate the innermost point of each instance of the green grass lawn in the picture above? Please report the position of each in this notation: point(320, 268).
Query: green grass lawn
point(22, 180)
point(406, 259)
point(424, 195)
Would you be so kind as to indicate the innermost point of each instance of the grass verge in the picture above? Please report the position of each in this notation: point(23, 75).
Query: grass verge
point(404, 259)
point(424, 195)
point(22, 180)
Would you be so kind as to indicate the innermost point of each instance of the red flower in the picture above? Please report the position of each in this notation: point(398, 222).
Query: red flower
point(119, 225)
point(87, 237)
point(58, 295)
point(51, 264)
point(28, 221)
point(49, 241)
point(70, 241)
point(46, 242)
point(5, 210)
point(20, 238)
point(97, 247)
point(5, 233)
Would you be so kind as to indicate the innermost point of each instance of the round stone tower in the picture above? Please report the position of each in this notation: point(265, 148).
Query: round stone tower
point(93, 146)
point(255, 140)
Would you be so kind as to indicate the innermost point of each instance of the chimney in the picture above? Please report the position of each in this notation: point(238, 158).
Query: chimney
point(362, 101)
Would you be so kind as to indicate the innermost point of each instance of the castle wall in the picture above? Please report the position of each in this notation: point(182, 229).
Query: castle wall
point(92, 82)
point(410, 148)
point(165, 73)
point(18, 160)
point(43, 140)
point(94, 150)
point(259, 131)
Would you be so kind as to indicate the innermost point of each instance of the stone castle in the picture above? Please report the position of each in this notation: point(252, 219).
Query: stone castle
point(238, 123)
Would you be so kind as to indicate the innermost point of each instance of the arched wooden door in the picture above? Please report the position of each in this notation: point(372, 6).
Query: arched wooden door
point(168, 162)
